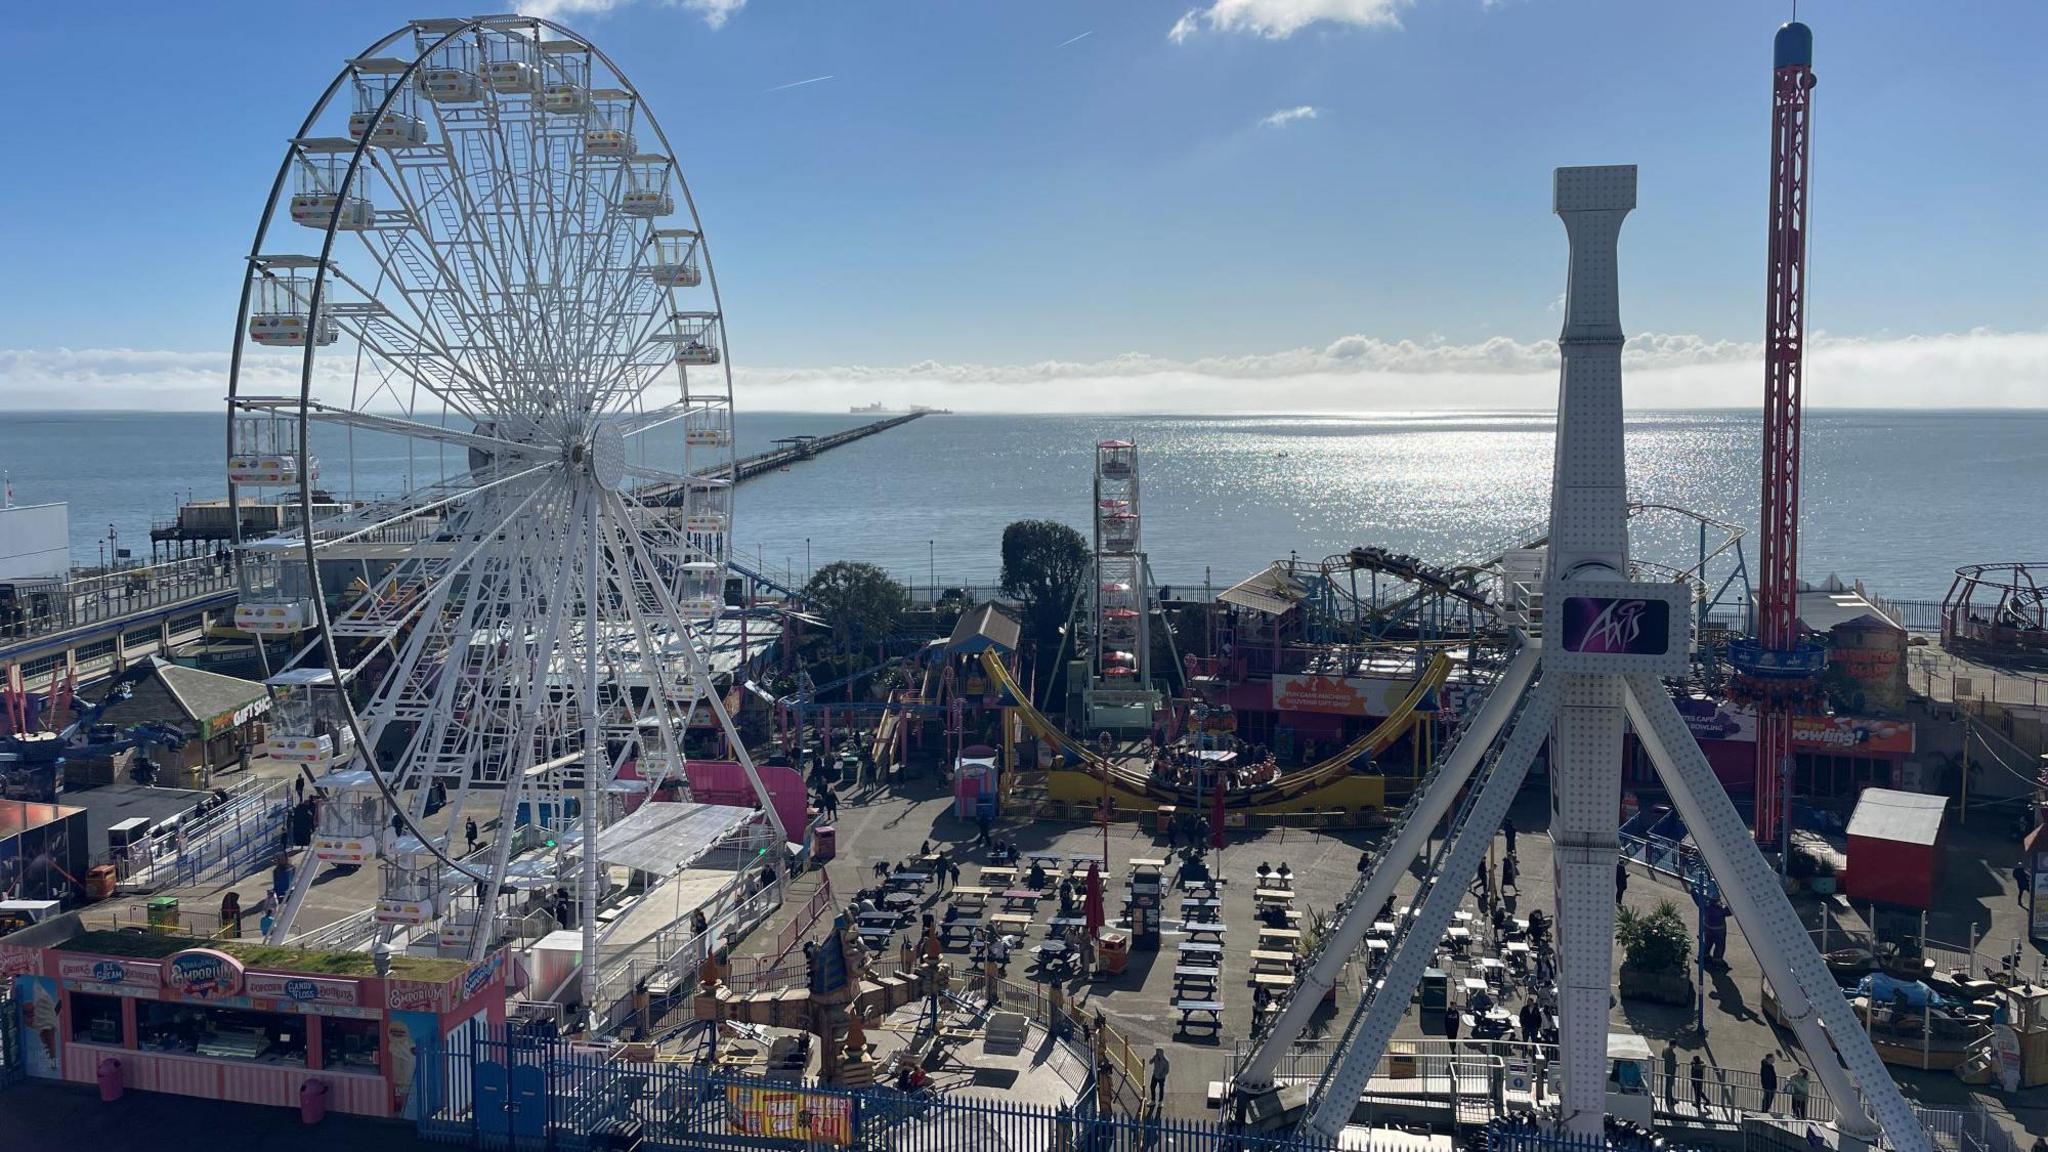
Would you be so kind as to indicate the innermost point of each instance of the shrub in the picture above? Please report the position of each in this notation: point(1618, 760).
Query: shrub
point(1655, 941)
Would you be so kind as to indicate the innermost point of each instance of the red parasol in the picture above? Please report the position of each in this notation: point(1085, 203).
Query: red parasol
point(1091, 905)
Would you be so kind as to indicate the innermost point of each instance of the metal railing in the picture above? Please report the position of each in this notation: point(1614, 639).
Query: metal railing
point(240, 838)
point(122, 592)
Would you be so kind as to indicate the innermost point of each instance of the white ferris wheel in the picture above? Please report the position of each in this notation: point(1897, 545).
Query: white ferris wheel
point(512, 438)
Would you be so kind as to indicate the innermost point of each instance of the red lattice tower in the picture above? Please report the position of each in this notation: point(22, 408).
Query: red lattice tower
point(1780, 670)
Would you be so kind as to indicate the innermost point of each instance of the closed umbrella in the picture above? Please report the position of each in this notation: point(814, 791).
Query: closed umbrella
point(1092, 903)
point(1216, 813)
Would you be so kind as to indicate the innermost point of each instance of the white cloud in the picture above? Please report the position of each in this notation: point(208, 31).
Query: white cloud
point(1286, 116)
point(1352, 373)
point(714, 12)
point(1279, 19)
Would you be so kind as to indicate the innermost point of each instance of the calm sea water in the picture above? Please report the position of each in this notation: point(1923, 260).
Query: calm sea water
point(1897, 499)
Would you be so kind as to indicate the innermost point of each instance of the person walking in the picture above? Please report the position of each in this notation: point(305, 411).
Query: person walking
point(2020, 877)
point(1671, 1078)
point(1697, 1073)
point(1797, 1089)
point(1620, 880)
point(231, 915)
point(1451, 1021)
point(1507, 832)
point(1767, 1075)
point(469, 832)
point(1510, 872)
point(1159, 1070)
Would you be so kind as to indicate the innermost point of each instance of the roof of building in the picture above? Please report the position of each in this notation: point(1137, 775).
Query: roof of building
point(1823, 609)
point(172, 693)
point(1899, 817)
point(983, 627)
point(1274, 591)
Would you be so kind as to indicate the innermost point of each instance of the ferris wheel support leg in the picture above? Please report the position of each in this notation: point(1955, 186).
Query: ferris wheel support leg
point(1356, 1059)
point(302, 883)
point(1820, 1016)
point(700, 670)
point(1362, 908)
point(594, 764)
point(1585, 780)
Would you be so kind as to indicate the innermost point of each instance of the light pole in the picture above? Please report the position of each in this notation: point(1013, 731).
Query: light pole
point(931, 572)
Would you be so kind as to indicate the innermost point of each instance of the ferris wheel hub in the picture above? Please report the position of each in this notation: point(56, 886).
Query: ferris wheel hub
point(604, 456)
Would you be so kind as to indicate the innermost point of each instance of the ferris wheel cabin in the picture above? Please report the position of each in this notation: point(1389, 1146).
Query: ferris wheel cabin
point(267, 452)
point(566, 68)
point(401, 125)
point(511, 65)
point(608, 132)
point(699, 596)
point(674, 261)
point(280, 310)
point(309, 721)
point(319, 175)
point(453, 74)
point(647, 194)
point(696, 336)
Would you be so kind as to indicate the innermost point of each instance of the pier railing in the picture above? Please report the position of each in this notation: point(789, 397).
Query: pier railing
point(101, 597)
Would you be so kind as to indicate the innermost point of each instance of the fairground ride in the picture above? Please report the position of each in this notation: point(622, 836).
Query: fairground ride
point(502, 322)
point(1593, 651)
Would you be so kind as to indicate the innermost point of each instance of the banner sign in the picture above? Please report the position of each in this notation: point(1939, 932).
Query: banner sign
point(780, 1114)
point(203, 974)
point(300, 989)
point(1617, 626)
point(1844, 735)
point(110, 972)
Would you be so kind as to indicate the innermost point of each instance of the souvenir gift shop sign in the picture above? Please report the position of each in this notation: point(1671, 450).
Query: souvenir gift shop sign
point(1340, 695)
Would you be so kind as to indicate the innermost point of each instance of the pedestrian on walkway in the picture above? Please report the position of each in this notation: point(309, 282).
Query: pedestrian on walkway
point(1451, 1022)
point(469, 832)
point(1159, 1069)
point(1620, 880)
point(1697, 1073)
point(1509, 873)
point(1507, 831)
point(941, 871)
point(953, 866)
point(1767, 1075)
point(1797, 1089)
point(2020, 878)
point(231, 915)
point(1671, 1078)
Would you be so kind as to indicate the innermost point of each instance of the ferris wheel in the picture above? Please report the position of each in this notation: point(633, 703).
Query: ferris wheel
point(506, 414)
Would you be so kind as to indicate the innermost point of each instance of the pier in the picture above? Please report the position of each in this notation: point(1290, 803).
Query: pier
point(788, 450)
point(90, 626)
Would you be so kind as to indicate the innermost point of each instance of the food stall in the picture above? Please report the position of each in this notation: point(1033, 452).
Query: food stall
point(240, 1020)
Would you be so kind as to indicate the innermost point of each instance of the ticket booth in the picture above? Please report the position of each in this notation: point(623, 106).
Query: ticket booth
point(976, 780)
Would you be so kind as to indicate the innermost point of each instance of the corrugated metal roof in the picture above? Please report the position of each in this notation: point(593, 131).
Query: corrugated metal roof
point(1899, 817)
point(1274, 591)
point(1822, 610)
point(982, 627)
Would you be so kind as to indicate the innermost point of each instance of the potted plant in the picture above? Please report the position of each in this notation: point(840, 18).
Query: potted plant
point(1655, 948)
point(1823, 881)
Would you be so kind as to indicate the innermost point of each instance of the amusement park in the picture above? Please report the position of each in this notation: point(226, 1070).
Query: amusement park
point(519, 810)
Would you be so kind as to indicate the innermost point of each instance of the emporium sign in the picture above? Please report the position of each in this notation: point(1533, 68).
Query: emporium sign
point(203, 974)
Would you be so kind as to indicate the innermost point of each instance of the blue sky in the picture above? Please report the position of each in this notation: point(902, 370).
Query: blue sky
point(1067, 204)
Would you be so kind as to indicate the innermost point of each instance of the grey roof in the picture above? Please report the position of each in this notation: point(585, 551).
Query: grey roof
point(1822, 610)
point(205, 695)
point(1899, 817)
point(661, 838)
point(1273, 591)
point(982, 627)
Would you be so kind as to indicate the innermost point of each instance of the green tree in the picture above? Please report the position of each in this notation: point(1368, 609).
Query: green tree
point(1044, 562)
point(860, 602)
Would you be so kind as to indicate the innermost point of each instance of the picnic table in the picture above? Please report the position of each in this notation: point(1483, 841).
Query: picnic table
point(1050, 861)
point(1263, 958)
point(1383, 928)
point(1273, 979)
point(1290, 936)
point(1016, 898)
point(1147, 864)
point(1068, 922)
point(1001, 874)
point(1201, 948)
point(916, 880)
point(1272, 896)
point(1276, 880)
point(1207, 974)
point(974, 892)
point(899, 899)
point(1460, 938)
point(960, 927)
point(1189, 1009)
point(1204, 884)
point(1210, 928)
point(1011, 920)
point(884, 919)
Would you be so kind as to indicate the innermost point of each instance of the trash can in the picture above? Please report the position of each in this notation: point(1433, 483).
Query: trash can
point(1436, 990)
point(312, 1101)
point(824, 843)
point(110, 1080)
point(163, 912)
point(1165, 815)
point(1112, 952)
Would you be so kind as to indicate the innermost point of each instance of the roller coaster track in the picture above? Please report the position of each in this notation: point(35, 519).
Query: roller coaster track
point(1286, 787)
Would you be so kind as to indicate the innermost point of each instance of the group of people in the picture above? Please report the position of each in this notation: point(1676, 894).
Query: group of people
point(1183, 768)
point(1798, 1087)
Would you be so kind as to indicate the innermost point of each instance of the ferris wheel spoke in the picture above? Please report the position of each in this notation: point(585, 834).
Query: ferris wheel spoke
point(651, 662)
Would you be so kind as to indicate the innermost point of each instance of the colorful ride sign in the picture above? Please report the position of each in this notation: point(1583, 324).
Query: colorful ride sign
point(780, 1114)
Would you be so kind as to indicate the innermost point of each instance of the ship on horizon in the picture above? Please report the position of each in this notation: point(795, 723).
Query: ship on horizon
point(880, 409)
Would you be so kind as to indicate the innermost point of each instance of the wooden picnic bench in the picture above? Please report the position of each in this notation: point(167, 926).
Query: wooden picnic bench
point(1189, 1009)
point(1201, 948)
point(1262, 958)
point(1197, 974)
point(1011, 920)
point(1210, 928)
point(1273, 979)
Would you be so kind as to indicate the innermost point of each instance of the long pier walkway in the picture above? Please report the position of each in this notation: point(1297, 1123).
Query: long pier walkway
point(787, 451)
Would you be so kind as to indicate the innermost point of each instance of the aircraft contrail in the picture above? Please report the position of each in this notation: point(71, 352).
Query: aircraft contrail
point(799, 83)
point(1077, 39)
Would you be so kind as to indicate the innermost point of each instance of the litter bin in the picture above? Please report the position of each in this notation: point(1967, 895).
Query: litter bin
point(1112, 952)
point(1436, 990)
point(1165, 815)
point(312, 1101)
point(163, 912)
point(110, 1080)
point(824, 843)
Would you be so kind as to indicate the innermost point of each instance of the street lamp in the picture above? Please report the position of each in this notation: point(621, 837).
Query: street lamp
point(931, 572)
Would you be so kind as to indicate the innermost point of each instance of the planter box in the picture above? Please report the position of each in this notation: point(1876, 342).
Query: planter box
point(1822, 885)
point(1656, 987)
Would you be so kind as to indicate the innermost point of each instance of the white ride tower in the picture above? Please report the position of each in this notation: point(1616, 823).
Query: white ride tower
point(1120, 694)
point(1594, 650)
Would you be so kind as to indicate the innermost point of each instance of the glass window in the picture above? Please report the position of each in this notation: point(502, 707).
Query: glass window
point(95, 1019)
point(348, 1043)
point(224, 1033)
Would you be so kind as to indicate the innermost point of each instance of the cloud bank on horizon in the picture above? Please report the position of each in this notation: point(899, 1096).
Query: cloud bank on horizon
point(1980, 369)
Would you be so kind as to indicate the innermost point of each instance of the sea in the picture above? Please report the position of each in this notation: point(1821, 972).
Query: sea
point(1895, 499)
